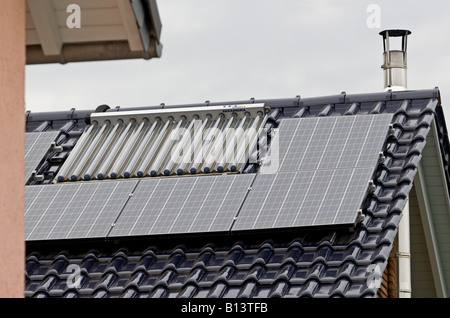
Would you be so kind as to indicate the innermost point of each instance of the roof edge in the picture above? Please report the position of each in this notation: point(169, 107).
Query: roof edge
point(297, 101)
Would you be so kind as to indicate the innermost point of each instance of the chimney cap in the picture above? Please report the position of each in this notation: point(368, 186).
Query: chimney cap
point(395, 32)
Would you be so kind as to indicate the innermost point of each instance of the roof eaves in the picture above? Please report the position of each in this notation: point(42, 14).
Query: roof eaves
point(429, 232)
point(142, 16)
point(149, 25)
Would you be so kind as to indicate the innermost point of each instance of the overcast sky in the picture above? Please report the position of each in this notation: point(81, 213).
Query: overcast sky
point(225, 50)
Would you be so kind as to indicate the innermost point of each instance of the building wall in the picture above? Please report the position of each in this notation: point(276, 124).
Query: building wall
point(389, 283)
point(12, 127)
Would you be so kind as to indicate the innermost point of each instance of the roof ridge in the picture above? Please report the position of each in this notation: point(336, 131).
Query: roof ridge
point(298, 101)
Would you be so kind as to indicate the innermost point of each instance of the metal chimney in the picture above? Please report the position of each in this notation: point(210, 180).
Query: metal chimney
point(394, 59)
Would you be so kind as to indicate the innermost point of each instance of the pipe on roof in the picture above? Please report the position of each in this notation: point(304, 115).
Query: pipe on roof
point(214, 149)
point(233, 138)
point(207, 143)
point(117, 145)
point(141, 150)
point(86, 156)
point(248, 145)
point(76, 152)
point(404, 254)
point(194, 154)
point(127, 149)
point(174, 158)
point(90, 169)
point(163, 153)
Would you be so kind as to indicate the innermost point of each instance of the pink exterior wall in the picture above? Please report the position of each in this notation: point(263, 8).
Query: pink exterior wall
point(12, 121)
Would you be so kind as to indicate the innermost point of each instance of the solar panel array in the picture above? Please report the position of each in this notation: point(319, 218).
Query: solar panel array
point(134, 207)
point(36, 147)
point(323, 169)
point(325, 164)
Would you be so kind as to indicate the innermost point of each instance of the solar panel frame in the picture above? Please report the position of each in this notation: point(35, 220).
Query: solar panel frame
point(325, 166)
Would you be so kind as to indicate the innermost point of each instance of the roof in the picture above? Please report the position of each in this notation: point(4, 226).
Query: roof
point(63, 31)
point(299, 262)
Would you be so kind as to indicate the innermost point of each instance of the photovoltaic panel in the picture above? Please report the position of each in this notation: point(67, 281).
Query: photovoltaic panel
point(36, 146)
point(183, 205)
point(77, 210)
point(331, 142)
point(325, 164)
point(304, 198)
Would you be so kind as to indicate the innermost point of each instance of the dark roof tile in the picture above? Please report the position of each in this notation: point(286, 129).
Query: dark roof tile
point(218, 290)
point(326, 111)
point(280, 289)
point(130, 293)
point(353, 109)
point(301, 113)
point(378, 108)
point(311, 288)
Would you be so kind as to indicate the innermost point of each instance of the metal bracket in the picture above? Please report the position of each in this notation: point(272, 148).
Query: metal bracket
point(381, 157)
point(37, 177)
point(391, 130)
point(360, 216)
point(55, 148)
point(372, 186)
